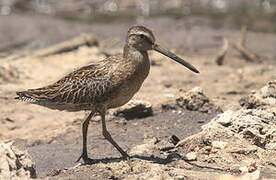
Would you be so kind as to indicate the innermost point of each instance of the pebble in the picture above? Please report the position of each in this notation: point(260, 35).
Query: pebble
point(134, 109)
point(191, 156)
point(219, 144)
point(225, 118)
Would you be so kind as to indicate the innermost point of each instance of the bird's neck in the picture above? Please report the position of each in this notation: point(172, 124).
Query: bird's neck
point(132, 54)
point(139, 63)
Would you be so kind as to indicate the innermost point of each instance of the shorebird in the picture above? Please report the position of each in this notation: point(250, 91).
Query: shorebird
point(103, 85)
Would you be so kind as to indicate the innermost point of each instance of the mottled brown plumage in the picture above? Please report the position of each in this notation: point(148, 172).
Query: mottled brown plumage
point(103, 85)
point(97, 84)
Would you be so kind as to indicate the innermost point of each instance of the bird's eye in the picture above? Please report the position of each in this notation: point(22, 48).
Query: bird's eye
point(142, 36)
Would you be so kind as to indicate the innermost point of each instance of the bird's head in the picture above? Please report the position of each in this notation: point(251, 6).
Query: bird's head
point(142, 39)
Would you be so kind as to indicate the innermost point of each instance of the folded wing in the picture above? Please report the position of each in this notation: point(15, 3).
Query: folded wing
point(88, 85)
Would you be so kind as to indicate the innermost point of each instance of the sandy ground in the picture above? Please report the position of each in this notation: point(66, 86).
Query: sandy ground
point(53, 137)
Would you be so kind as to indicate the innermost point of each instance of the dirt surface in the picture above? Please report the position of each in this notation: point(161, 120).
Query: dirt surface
point(63, 151)
point(53, 138)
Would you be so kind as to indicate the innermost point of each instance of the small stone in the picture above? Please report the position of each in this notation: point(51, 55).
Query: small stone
point(252, 167)
point(197, 90)
point(134, 109)
point(54, 172)
point(252, 176)
point(243, 169)
point(166, 145)
point(169, 95)
point(191, 156)
point(180, 177)
point(174, 139)
point(219, 144)
point(225, 118)
point(196, 100)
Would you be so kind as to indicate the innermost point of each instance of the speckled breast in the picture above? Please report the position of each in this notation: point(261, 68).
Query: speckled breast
point(130, 86)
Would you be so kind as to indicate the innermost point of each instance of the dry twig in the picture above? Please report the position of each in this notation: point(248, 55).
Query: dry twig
point(189, 139)
point(70, 45)
point(66, 46)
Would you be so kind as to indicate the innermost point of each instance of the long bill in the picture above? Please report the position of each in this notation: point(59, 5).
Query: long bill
point(171, 55)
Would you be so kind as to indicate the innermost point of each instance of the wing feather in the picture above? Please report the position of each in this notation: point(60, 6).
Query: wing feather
point(87, 85)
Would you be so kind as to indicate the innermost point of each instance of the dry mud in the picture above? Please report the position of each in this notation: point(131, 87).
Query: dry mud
point(53, 138)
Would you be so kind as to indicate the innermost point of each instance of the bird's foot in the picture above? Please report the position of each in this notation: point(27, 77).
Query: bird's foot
point(86, 159)
point(125, 156)
point(130, 160)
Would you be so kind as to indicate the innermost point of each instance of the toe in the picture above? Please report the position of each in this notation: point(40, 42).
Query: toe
point(89, 161)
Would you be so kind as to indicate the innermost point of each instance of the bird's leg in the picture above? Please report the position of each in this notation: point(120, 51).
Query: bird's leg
point(85, 124)
point(108, 137)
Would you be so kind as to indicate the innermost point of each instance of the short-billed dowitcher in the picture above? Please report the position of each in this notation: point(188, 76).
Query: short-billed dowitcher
point(107, 84)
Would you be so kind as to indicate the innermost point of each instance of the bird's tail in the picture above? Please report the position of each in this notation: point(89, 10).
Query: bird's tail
point(25, 96)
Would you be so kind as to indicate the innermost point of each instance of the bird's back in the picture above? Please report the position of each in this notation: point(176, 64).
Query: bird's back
point(103, 83)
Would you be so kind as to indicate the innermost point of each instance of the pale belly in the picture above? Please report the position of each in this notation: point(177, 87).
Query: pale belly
point(129, 88)
point(124, 94)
